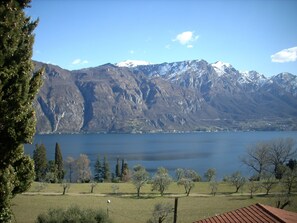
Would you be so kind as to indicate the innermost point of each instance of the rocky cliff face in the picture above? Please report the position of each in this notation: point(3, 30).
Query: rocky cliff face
point(181, 96)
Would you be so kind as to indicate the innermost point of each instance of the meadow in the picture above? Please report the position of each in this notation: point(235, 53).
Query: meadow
point(126, 207)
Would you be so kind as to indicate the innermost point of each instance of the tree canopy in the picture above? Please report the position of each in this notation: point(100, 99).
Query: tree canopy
point(18, 87)
point(270, 157)
point(40, 161)
point(139, 177)
point(161, 180)
point(59, 162)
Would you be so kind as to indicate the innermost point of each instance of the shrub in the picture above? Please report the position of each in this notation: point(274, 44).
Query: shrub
point(74, 215)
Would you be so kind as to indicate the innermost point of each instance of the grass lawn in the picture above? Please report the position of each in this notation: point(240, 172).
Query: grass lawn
point(126, 207)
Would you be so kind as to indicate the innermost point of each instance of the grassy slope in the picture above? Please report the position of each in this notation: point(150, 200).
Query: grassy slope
point(125, 207)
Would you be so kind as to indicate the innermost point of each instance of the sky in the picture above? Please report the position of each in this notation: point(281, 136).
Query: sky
point(256, 35)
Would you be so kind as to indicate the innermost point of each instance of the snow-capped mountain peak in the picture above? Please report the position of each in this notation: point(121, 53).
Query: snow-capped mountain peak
point(220, 67)
point(132, 63)
point(220, 64)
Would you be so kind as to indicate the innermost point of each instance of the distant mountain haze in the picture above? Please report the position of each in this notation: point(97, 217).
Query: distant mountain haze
point(139, 97)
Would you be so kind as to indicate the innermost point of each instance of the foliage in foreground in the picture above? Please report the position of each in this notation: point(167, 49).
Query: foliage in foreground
point(18, 88)
point(75, 215)
point(161, 213)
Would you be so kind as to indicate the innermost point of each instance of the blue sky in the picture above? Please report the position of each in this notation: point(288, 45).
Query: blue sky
point(256, 35)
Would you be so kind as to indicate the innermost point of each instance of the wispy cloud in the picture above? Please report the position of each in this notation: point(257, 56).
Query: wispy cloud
point(79, 62)
point(285, 55)
point(186, 38)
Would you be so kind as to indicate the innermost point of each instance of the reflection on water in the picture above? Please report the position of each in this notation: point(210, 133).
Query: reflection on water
point(199, 151)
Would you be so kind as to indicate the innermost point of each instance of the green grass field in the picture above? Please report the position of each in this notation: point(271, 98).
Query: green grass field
point(126, 207)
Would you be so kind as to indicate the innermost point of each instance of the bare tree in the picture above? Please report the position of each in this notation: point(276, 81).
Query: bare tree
point(83, 168)
point(282, 200)
point(289, 179)
point(281, 151)
point(268, 182)
point(93, 185)
point(257, 158)
point(65, 185)
point(237, 180)
point(253, 186)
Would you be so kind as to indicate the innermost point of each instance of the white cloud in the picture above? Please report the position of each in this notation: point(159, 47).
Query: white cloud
point(190, 46)
point(185, 38)
point(131, 51)
point(76, 61)
point(79, 61)
point(285, 55)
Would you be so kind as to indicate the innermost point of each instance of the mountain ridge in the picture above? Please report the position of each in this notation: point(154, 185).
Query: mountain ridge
point(191, 95)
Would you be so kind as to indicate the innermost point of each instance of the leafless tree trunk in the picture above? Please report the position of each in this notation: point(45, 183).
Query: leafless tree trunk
point(257, 158)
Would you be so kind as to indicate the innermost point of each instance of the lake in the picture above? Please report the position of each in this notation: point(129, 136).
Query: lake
point(199, 151)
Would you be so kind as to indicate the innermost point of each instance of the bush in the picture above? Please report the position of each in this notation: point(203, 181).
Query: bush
point(74, 215)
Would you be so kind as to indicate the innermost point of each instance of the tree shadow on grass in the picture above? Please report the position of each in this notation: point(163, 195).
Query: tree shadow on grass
point(239, 198)
point(141, 197)
point(226, 193)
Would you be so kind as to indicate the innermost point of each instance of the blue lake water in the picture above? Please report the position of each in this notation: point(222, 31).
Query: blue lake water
point(198, 151)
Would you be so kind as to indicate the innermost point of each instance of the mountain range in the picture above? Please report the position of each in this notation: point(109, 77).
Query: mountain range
point(139, 97)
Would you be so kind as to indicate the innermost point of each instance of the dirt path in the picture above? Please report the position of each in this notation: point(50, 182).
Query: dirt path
point(143, 195)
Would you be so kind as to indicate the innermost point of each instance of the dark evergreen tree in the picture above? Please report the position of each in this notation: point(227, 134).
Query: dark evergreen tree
point(40, 162)
point(126, 173)
point(106, 169)
point(59, 163)
point(18, 88)
point(118, 169)
point(123, 167)
point(98, 171)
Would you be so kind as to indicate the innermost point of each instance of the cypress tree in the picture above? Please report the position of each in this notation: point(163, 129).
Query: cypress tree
point(59, 163)
point(123, 167)
point(125, 171)
point(98, 170)
point(126, 174)
point(40, 161)
point(18, 88)
point(118, 169)
point(106, 169)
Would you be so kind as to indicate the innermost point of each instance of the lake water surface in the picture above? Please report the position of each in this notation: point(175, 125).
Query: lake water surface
point(198, 151)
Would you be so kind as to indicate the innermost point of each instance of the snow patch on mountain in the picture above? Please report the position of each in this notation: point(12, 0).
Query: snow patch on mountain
point(286, 81)
point(132, 63)
point(220, 67)
point(248, 77)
